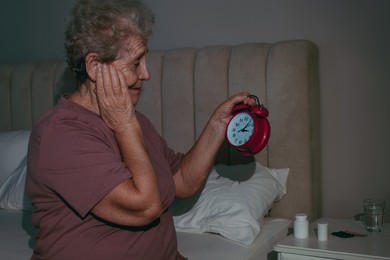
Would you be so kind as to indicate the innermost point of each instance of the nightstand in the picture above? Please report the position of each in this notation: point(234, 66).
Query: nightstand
point(373, 246)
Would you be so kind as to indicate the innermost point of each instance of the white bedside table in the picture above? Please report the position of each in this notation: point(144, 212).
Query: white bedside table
point(373, 246)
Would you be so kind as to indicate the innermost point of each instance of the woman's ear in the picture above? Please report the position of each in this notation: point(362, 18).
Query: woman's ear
point(91, 63)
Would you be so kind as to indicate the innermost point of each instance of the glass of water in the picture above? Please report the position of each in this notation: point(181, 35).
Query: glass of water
point(374, 210)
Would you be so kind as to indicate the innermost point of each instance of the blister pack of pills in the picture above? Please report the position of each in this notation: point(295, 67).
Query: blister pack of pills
point(348, 233)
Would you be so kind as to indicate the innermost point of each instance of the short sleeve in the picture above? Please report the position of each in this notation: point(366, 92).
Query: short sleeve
point(81, 164)
point(155, 140)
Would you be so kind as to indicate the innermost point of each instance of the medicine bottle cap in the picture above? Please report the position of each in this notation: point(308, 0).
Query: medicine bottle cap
point(300, 217)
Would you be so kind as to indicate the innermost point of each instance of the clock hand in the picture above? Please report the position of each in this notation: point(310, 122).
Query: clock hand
point(244, 128)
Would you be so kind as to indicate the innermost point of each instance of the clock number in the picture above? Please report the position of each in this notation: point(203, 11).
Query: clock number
point(241, 129)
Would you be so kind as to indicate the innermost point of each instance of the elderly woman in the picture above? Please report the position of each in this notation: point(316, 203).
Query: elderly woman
point(100, 177)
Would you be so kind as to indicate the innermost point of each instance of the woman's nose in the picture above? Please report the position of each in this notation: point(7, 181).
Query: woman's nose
point(144, 73)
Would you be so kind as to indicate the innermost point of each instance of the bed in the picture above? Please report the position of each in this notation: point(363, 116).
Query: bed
point(189, 83)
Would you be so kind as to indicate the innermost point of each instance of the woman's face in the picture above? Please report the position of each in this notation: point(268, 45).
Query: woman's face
point(131, 62)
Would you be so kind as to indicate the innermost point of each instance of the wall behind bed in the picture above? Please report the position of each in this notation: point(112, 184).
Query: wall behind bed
point(353, 39)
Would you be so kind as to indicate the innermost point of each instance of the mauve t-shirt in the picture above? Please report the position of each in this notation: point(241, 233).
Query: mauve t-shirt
point(73, 162)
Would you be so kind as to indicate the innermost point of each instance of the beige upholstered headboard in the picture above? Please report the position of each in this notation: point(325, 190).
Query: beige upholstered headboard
point(188, 84)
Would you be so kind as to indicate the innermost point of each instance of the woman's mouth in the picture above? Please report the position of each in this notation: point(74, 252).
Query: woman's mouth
point(136, 90)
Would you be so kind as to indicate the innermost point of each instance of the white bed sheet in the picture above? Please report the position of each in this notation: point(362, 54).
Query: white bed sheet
point(16, 232)
point(214, 247)
point(16, 240)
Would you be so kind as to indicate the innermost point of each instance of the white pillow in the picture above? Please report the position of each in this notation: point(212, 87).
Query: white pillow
point(233, 201)
point(13, 146)
point(13, 164)
point(12, 191)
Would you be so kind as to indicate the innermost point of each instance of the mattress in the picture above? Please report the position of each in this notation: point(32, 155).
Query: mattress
point(16, 235)
point(212, 246)
point(16, 240)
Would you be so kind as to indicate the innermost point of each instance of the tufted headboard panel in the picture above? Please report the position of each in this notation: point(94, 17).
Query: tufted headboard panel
point(187, 84)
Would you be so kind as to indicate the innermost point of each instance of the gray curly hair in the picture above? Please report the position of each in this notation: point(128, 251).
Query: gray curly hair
point(102, 26)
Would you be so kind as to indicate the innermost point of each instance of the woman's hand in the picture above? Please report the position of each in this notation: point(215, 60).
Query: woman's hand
point(223, 113)
point(115, 104)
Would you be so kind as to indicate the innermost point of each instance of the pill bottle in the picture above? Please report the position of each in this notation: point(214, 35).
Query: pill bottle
point(301, 226)
point(322, 231)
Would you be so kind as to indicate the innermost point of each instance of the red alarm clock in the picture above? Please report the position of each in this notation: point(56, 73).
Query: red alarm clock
point(249, 130)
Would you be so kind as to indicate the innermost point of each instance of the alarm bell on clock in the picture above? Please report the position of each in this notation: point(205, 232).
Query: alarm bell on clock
point(249, 130)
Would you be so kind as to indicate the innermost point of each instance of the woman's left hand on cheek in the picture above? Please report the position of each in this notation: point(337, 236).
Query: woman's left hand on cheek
point(114, 100)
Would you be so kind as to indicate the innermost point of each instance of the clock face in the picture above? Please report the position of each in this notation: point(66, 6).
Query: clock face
point(240, 129)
